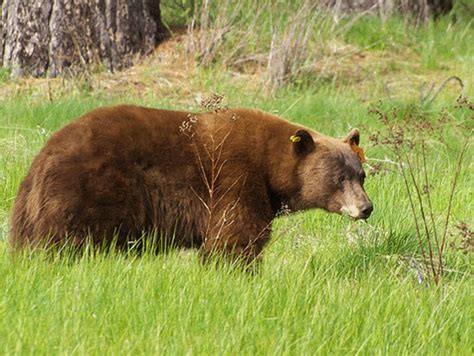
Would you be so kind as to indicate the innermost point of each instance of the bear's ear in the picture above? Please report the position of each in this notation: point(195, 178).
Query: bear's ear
point(352, 137)
point(303, 142)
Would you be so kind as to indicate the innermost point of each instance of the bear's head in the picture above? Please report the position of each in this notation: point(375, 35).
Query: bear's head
point(330, 174)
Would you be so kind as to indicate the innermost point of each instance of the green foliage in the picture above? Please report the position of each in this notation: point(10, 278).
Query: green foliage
point(432, 42)
point(372, 33)
point(177, 13)
point(4, 74)
point(463, 10)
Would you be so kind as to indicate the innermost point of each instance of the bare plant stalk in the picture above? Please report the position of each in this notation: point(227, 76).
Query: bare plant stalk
point(451, 196)
point(412, 205)
point(423, 218)
point(216, 168)
point(431, 238)
point(289, 47)
point(398, 153)
point(209, 157)
point(430, 206)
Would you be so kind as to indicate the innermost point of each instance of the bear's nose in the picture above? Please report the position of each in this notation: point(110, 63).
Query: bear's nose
point(366, 210)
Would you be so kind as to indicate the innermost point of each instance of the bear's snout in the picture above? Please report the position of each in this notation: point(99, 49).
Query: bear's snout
point(358, 212)
point(354, 201)
point(366, 210)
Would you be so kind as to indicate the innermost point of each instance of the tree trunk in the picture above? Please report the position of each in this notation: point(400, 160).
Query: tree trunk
point(440, 7)
point(421, 10)
point(49, 36)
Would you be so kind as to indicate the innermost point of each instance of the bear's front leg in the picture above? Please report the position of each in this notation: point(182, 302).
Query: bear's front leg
point(237, 232)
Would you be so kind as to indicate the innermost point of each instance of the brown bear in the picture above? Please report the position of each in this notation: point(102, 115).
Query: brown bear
point(210, 180)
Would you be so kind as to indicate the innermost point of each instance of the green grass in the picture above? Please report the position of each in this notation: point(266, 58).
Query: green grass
point(316, 292)
point(4, 74)
point(170, 304)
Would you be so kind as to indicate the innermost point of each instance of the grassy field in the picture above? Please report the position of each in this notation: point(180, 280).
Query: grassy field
point(327, 285)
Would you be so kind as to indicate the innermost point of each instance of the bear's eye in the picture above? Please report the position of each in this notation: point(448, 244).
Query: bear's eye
point(342, 179)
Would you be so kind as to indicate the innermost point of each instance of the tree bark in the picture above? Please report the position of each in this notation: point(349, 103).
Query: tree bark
point(50, 36)
point(440, 7)
point(421, 10)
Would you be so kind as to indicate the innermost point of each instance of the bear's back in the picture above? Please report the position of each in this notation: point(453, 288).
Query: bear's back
point(90, 177)
point(124, 170)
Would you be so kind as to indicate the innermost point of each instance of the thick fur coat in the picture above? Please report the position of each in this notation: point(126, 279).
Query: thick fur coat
point(214, 180)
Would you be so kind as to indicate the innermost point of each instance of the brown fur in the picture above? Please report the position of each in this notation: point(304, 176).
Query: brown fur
point(213, 180)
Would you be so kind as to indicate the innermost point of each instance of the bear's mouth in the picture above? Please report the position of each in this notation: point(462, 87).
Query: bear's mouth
point(350, 211)
point(354, 213)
